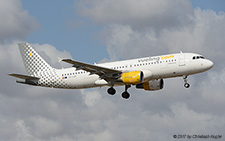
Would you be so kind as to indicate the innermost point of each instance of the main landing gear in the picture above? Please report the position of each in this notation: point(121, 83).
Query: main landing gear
point(111, 91)
point(186, 84)
point(125, 94)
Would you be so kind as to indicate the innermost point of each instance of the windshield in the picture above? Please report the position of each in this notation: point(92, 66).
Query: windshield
point(198, 57)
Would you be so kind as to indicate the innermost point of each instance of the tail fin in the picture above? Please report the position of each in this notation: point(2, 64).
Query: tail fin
point(33, 62)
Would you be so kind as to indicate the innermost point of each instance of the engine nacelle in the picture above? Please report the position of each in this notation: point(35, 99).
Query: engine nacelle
point(133, 77)
point(151, 85)
point(147, 75)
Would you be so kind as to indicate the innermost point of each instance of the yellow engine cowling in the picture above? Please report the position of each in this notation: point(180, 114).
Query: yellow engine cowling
point(134, 77)
point(152, 85)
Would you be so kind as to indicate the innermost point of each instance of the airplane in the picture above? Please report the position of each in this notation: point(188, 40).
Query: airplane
point(144, 73)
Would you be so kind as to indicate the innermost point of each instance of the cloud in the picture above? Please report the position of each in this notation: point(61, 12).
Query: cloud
point(139, 14)
point(16, 23)
point(204, 36)
point(119, 39)
point(44, 127)
point(52, 55)
point(23, 132)
point(91, 98)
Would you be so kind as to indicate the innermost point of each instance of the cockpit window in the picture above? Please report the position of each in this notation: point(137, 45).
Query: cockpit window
point(198, 57)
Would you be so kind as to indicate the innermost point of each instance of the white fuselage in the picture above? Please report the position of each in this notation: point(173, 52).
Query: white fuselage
point(165, 66)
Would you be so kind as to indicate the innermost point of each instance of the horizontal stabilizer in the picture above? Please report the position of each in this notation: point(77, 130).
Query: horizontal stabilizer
point(24, 77)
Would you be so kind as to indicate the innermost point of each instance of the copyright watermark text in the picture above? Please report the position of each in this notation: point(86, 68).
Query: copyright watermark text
point(178, 136)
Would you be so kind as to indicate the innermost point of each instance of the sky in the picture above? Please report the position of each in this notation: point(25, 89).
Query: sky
point(108, 30)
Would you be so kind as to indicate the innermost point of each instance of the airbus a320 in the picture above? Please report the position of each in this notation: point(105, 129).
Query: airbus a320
point(143, 73)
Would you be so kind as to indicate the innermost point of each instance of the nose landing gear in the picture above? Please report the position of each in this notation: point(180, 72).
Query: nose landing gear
point(186, 84)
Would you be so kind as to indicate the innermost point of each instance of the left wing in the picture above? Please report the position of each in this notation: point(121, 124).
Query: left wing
point(104, 73)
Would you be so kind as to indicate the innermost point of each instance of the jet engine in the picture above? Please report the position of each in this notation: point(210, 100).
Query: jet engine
point(152, 85)
point(133, 77)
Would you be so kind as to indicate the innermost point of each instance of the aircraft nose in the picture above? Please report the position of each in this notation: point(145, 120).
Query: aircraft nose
point(209, 64)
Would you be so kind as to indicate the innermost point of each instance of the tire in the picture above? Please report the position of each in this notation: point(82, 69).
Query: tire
point(186, 85)
point(125, 95)
point(111, 91)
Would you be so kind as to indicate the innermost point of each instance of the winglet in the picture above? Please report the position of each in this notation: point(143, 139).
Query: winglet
point(59, 59)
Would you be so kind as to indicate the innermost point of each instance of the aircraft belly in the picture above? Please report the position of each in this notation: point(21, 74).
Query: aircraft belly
point(167, 71)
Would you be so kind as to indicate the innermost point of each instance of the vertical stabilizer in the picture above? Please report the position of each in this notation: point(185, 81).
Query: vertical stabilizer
point(33, 62)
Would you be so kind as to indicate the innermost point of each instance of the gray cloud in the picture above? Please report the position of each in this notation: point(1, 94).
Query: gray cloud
point(139, 14)
point(15, 23)
point(204, 36)
point(52, 55)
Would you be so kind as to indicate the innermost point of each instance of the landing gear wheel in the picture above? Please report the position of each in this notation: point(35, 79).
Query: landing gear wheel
point(125, 95)
point(111, 91)
point(186, 85)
